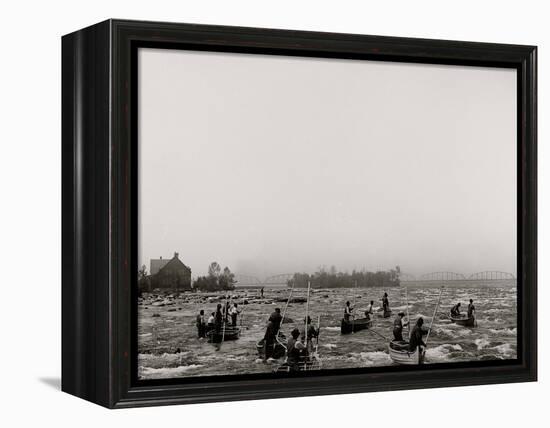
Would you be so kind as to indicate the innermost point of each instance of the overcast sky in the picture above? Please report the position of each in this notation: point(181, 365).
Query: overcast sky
point(272, 164)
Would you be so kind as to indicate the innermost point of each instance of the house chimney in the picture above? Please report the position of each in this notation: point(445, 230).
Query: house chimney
point(176, 255)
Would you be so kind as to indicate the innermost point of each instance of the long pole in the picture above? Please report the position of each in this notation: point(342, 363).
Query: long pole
point(283, 317)
point(307, 315)
point(433, 317)
point(408, 319)
point(307, 309)
point(318, 333)
point(225, 318)
point(354, 301)
point(286, 306)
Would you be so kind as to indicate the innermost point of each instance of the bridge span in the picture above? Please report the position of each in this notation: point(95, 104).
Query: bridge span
point(453, 276)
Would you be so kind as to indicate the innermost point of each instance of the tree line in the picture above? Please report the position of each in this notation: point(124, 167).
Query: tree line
point(217, 279)
point(335, 279)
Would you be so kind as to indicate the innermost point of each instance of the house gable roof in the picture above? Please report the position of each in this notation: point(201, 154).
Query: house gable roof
point(159, 264)
point(173, 262)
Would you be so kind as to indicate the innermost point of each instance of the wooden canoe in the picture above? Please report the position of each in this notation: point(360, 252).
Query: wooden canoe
point(347, 327)
point(230, 333)
point(400, 354)
point(463, 320)
point(309, 363)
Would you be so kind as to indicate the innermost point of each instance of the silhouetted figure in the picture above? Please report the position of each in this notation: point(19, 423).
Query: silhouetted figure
point(347, 312)
point(276, 319)
point(455, 310)
point(398, 325)
point(416, 336)
point(201, 325)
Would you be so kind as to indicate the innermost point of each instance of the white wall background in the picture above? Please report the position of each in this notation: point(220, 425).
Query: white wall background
point(30, 311)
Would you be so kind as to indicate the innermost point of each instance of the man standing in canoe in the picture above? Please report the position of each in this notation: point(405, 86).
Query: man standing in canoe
point(218, 318)
point(201, 326)
point(295, 349)
point(276, 319)
point(347, 312)
point(385, 303)
point(370, 310)
point(471, 309)
point(312, 333)
point(234, 312)
point(398, 325)
point(416, 336)
point(269, 340)
point(210, 325)
point(455, 310)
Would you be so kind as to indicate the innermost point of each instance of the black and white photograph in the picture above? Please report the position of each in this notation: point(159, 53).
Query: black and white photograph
point(298, 214)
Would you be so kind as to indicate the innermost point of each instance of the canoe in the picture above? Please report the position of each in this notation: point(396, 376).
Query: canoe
point(230, 333)
point(400, 354)
point(464, 320)
point(347, 327)
point(279, 350)
point(309, 363)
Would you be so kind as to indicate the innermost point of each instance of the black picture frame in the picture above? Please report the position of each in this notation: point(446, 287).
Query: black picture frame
point(99, 181)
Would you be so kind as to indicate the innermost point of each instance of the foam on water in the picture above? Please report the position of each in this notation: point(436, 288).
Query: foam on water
point(441, 353)
point(481, 343)
point(330, 346)
point(504, 331)
point(166, 372)
point(504, 349)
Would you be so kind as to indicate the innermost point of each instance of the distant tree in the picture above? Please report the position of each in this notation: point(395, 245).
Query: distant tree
point(333, 279)
point(216, 279)
point(214, 269)
point(227, 279)
point(142, 273)
point(143, 280)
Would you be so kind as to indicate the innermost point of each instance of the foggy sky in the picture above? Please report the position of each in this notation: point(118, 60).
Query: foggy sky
point(271, 164)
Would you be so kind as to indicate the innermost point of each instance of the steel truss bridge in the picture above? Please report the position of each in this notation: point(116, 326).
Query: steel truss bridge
point(488, 275)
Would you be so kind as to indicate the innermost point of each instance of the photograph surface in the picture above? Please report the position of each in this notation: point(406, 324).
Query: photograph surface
point(298, 214)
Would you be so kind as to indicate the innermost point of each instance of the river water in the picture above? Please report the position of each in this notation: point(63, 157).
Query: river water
point(168, 346)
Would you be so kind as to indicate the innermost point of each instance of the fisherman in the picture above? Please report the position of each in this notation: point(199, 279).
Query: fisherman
point(201, 324)
point(312, 333)
point(295, 349)
point(218, 318)
point(276, 319)
point(385, 303)
point(416, 336)
point(292, 354)
point(226, 309)
point(234, 312)
point(398, 325)
point(262, 293)
point(455, 310)
point(471, 309)
point(347, 312)
point(210, 325)
point(370, 310)
point(269, 340)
